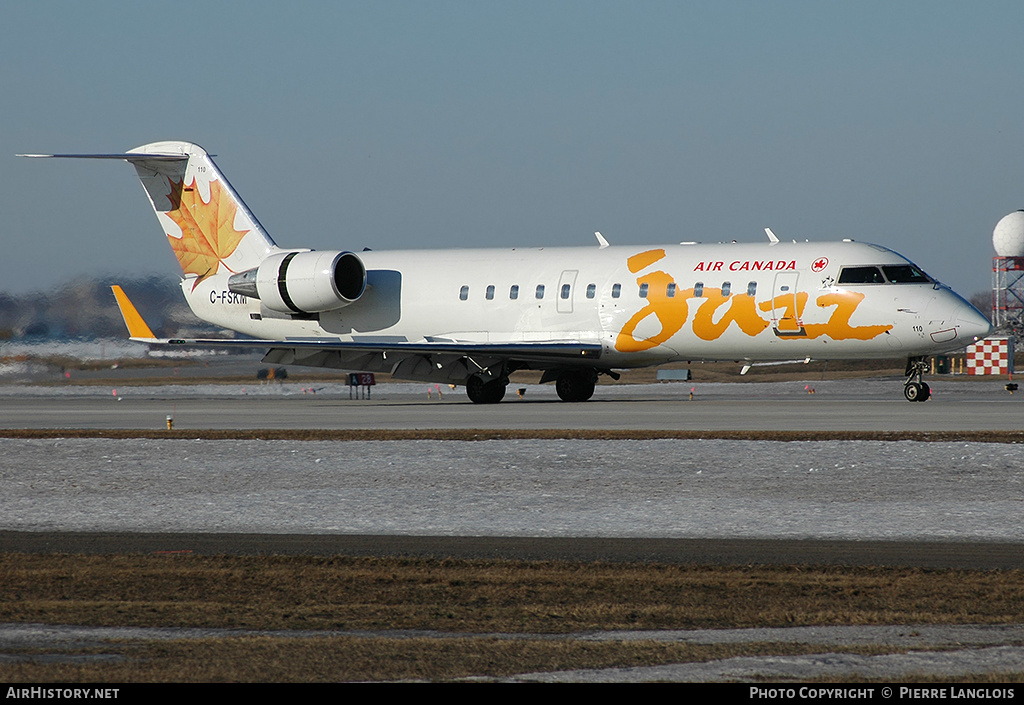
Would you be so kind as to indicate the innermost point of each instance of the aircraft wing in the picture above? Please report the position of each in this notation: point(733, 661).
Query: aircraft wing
point(540, 350)
point(441, 358)
point(445, 361)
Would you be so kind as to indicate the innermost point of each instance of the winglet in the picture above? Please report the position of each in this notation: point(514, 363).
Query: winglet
point(137, 327)
point(771, 236)
point(601, 242)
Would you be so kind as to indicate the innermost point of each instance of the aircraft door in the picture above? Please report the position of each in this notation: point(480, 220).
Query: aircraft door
point(565, 293)
point(786, 309)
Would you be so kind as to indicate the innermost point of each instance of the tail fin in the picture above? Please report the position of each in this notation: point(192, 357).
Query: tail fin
point(207, 224)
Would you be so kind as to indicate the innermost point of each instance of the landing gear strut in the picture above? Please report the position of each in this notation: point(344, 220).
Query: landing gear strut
point(481, 392)
point(914, 389)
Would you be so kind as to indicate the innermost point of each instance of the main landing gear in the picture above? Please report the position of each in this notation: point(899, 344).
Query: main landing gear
point(481, 392)
point(576, 385)
point(915, 389)
point(571, 385)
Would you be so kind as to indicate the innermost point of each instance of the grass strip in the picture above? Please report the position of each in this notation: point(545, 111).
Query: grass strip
point(471, 597)
point(486, 596)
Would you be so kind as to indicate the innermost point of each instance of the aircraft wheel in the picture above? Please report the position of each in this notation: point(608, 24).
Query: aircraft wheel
point(480, 392)
point(915, 391)
point(573, 385)
point(495, 391)
point(926, 392)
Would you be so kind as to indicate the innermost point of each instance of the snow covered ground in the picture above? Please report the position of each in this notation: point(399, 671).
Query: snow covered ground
point(658, 488)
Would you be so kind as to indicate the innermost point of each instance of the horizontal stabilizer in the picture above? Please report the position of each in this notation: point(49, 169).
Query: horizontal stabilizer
point(127, 156)
point(208, 227)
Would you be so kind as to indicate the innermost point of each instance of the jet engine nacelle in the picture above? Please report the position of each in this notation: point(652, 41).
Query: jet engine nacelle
point(304, 282)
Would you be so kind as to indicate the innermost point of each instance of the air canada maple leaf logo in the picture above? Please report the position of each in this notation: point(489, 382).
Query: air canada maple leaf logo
point(208, 234)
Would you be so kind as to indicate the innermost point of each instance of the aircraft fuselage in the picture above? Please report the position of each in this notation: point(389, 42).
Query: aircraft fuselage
point(644, 305)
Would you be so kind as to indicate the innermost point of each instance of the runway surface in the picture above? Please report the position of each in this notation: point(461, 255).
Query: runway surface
point(851, 405)
point(961, 555)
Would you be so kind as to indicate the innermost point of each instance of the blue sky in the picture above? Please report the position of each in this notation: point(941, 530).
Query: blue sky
point(457, 124)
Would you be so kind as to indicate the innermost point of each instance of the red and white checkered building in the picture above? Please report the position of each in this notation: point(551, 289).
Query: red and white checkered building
point(992, 356)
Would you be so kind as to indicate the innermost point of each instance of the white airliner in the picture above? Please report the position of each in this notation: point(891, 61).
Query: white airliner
point(471, 317)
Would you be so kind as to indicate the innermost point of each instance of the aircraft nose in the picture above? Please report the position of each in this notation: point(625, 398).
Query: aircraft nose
point(971, 324)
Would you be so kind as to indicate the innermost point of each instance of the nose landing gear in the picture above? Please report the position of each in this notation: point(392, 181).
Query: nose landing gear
point(915, 389)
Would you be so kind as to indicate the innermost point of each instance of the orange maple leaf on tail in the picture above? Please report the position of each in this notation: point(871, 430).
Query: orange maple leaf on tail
point(208, 234)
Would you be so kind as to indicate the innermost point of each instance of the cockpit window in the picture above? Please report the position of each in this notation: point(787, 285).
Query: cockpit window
point(893, 274)
point(905, 274)
point(861, 275)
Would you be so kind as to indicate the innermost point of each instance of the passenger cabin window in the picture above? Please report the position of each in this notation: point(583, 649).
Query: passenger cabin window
point(616, 290)
point(591, 290)
point(698, 289)
point(643, 290)
point(752, 289)
point(861, 275)
point(490, 292)
point(513, 293)
point(905, 274)
point(464, 293)
point(565, 291)
point(670, 290)
point(726, 288)
point(540, 291)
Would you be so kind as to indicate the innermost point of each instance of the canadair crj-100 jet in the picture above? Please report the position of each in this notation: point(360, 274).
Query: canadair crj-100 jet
point(471, 317)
